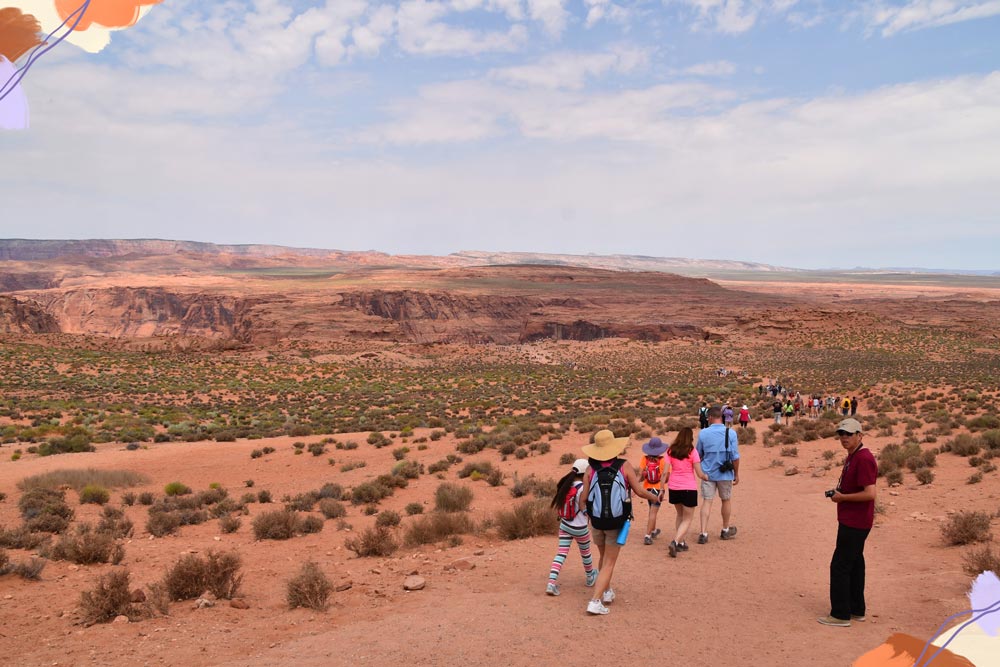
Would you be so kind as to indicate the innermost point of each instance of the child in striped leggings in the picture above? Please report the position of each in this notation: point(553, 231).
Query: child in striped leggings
point(573, 525)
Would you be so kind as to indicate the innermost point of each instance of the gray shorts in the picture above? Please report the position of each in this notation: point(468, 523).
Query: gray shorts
point(725, 488)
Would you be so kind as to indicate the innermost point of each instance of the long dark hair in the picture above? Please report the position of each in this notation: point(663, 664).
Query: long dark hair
point(681, 449)
point(562, 490)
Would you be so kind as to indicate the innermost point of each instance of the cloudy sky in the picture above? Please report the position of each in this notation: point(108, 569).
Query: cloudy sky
point(808, 133)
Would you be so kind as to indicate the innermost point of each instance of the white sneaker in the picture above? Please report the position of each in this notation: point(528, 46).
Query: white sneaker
point(551, 588)
point(609, 596)
point(596, 608)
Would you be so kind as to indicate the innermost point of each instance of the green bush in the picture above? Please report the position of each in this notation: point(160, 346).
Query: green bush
point(94, 494)
point(176, 489)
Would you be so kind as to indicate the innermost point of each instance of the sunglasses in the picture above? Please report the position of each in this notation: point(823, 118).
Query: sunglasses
point(843, 434)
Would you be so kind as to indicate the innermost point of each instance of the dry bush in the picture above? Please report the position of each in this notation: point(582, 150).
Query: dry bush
point(331, 491)
point(925, 475)
point(332, 509)
point(981, 559)
point(377, 541)
point(541, 488)
point(222, 574)
point(964, 444)
point(277, 525)
point(87, 547)
point(388, 519)
point(20, 538)
point(162, 523)
point(437, 526)
point(370, 492)
point(229, 523)
point(966, 527)
point(481, 469)
point(30, 569)
point(115, 523)
point(745, 436)
point(894, 477)
point(789, 451)
point(109, 599)
point(310, 588)
point(452, 497)
point(218, 573)
point(79, 478)
point(310, 524)
point(45, 510)
point(186, 580)
point(527, 519)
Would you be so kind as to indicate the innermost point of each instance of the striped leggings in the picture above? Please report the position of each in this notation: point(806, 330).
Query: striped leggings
point(567, 534)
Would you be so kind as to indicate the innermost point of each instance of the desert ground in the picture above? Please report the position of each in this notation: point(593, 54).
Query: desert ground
point(365, 390)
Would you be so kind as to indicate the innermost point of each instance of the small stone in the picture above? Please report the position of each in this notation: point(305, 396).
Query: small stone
point(217, 538)
point(414, 583)
point(120, 619)
point(344, 586)
point(894, 493)
point(73, 568)
point(375, 570)
point(479, 552)
point(239, 604)
point(791, 470)
point(462, 564)
point(203, 603)
point(412, 573)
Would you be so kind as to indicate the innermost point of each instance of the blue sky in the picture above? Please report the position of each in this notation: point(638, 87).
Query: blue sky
point(806, 133)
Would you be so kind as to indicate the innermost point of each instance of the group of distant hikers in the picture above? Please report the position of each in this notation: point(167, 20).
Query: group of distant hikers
point(594, 502)
point(594, 499)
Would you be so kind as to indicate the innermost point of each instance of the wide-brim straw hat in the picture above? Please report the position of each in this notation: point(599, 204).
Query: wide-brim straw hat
point(606, 446)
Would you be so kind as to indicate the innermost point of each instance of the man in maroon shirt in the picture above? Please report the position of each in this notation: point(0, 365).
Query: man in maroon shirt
point(855, 498)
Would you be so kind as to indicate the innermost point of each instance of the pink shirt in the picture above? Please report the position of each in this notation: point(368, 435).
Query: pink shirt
point(682, 472)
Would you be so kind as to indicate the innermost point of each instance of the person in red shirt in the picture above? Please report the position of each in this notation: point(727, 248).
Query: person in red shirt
point(855, 499)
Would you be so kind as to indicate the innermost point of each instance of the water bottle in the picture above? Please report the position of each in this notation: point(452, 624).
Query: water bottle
point(623, 533)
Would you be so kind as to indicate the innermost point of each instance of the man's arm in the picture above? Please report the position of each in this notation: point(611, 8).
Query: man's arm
point(865, 495)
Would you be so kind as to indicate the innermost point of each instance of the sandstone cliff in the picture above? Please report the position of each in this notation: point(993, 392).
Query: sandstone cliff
point(18, 316)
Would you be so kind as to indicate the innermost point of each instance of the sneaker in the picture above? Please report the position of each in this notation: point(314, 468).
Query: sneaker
point(859, 619)
point(609, 596)
point(592, 577)
point(728, 533)
point(831, 620)
point(703, 538)
point(672, 547)
point(552, 588)
point(682, 546)
point(648, 539)
point(596, 608)
point(655, 533)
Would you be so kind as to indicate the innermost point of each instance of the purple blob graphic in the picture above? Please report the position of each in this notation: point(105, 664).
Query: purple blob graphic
point(14, 105)
point(985, 592)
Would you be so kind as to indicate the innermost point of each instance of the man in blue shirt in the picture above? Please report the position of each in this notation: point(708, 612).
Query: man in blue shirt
point(722, 468)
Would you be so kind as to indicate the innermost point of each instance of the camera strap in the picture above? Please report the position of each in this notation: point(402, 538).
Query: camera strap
point(729, 457)
point(847, 464)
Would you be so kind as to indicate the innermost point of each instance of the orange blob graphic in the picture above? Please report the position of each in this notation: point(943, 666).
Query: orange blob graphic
point(107, 13)
point(18, 33)
point(902, 650)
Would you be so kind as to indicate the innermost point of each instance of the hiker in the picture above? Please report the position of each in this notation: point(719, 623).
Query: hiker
point(744, 416)
point(682, 489)
point(727, 415)
point(607, 486)
point(651, 474)
point(855, 499)
point(703, 416)
point(718, 448)
point(854, 405)
point(845, 406)
point(789, 411)
point(776, 408)
point(572, 526)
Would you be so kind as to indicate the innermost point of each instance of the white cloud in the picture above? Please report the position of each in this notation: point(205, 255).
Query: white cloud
point(369, 38)
point(604, 10)
point(919, 14)
point(571, 70)
point(735, 16)
point(422, 31)
point(713, 68)
point(551, 13)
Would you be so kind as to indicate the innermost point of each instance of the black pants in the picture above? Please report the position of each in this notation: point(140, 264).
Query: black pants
point(847, 573)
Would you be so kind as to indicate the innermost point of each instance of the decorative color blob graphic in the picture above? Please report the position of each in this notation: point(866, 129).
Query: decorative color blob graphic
point(14, 106)
point(18, 33)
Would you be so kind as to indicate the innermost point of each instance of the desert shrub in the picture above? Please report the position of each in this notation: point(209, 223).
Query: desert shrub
point(975, 478)
point(413, 508)
point(352, 465)
point(370, 510)
point(45, 510)
point(128, 498)
point(984, 422)
point(541, 488)
point(377, 439)
point(829, 454)
point(966, 527)
point(894, 476)
point(377, 541)
point(248, 483)
point(94, 494)
point(925, 475)
point(452, 497)
point(109, 599)
point(439, 466)
point(268, 450)
point(146, 498)
point(520, 453)
point(229, 523)
point(186, 579)
point(264, 496)
point(964, 444)
point(567, 458)
point(400, 453)
point(77, 478)
point(247, 498)
point(304, 502)
point(310, 524)
point(369, 492)
point(746, 436)
point(176, 489)
point(115, 523)
point(310, 588)
point(161, 523)
point(991, 438)
point(981, 559)
point(438, 526)
point(317, 449)
point(277, 525)
point(406, 470)
point(789, 451)
point(87, 547)
point(527, 519)
point(222, 574)
point(480, 468)
point(388, 519)
point(256, 454)
point(20, 538)
point(331, 490)
point(332, 509)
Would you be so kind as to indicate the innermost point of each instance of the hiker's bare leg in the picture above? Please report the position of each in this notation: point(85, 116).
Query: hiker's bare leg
point(727, 510)
point(706, 509)
point(609, 555)
point(651, 524)
point(685, 515)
